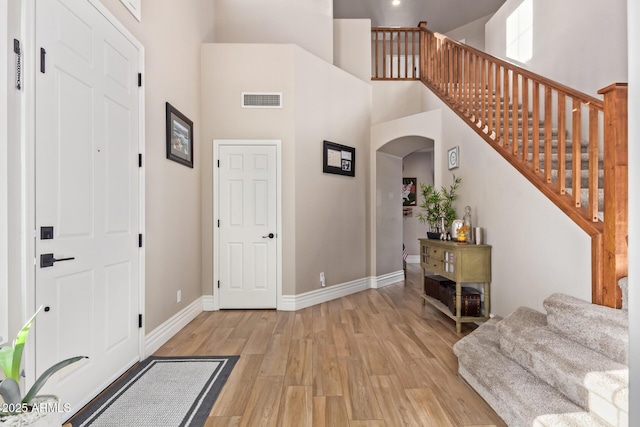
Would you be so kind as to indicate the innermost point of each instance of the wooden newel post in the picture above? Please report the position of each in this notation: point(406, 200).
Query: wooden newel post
point(616, 186)
point(423, 50)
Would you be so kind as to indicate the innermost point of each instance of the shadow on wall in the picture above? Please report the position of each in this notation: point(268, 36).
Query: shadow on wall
point(404, 157)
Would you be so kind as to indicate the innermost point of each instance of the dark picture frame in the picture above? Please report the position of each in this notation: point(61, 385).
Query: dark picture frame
point(179, 137)
point(409, 191)
point(338, 159)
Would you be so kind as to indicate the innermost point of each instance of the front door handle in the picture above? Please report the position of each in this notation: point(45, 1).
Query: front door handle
point(269, 236)
point(47, 260)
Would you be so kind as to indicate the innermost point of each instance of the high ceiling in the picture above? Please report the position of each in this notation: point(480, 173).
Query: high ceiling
point(441, 15)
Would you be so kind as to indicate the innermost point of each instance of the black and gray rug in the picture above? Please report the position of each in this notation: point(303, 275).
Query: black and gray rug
point(161, 391)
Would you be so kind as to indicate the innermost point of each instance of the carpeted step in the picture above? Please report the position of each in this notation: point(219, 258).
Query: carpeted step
point(588, 378)
point(517, 396)
point(575, 318)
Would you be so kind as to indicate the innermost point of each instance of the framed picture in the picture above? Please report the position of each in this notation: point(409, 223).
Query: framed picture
point(409, 191)
point(338, 159)
point(179, 137)
point(453, 157)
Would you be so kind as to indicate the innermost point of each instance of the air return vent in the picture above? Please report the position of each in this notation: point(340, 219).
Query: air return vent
point(261, 100)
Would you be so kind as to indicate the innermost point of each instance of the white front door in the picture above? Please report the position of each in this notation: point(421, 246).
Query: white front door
point(87, 198)
point(248, 226)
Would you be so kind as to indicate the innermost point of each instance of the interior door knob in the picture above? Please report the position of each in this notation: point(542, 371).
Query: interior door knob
point(269, 236)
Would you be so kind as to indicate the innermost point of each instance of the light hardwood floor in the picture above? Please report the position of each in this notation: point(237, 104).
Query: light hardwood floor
point(375, 358)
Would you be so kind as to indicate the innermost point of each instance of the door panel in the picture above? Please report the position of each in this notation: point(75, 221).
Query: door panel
point(248, 256)
point(87, 115)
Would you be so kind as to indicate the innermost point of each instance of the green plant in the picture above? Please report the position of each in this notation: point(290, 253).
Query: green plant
point(438, 204)
point(10, 361)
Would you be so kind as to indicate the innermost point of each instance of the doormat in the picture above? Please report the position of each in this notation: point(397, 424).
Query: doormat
point(161, 391)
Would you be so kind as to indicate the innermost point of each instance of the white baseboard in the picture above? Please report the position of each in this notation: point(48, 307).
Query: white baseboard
point(387, 279)
point(413, 259)
point(163, 333)
point(208, 303)
point(318, 296)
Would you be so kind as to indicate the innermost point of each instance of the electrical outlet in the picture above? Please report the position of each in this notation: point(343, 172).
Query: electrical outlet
point(179, 296)
point(322, 282)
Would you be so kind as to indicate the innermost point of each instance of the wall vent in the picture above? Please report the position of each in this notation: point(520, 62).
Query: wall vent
point(261, 100)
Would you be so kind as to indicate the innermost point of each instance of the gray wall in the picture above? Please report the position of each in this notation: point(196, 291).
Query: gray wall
point(418, 165)
point(472, 33)
point(388, 213)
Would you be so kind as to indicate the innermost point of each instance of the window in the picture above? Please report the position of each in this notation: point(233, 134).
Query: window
point(520, 32)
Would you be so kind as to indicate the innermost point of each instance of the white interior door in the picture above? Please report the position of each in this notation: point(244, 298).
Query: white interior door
point(248, 226)
point(87, 198)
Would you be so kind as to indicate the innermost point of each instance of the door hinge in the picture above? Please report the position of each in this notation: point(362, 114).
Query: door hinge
point(43, 54)
point(218, 223)
point(139, 79)
point(218, 284)
point(139, 320)
point(218, 163)
point(139, 160)
point(139, 240)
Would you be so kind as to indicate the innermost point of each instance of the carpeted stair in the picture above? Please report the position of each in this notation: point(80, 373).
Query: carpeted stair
point(565, 368)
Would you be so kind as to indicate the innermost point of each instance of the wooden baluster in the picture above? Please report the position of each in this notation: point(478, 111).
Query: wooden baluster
point(548, 109)
point(562, 144)
point(406, 55)
point(467, 89)
point(413, 56)
point(384, 54)
point(398, 52)
point(461, 66)
point(491, 99)
point(525, 118)
point(576, 163)
point(593, 164)
point(498, 100)
point(535, 125)
point(477, 94)
point(425, 40)
point(515, 102)
point(375, 44)
point(616, 188)
point(483, 91)
point(451, 69)
point(507, 108)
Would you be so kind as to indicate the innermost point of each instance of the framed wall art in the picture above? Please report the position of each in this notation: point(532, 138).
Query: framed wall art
point(179, 137)
point(453, 157)
point(409, 191)
point(338, 159)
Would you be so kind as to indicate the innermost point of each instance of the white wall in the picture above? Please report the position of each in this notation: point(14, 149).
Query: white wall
point(307, 23)
point(352, 46)
point(586, 48)
point(416, 165)
point(536, 249)
point(388, 213)
point(634, 212)
point(472, 33)
point(325, 217)
point(395, 99)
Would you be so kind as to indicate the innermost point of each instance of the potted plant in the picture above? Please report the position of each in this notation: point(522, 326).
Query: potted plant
point(437, 207)
point(18, 410)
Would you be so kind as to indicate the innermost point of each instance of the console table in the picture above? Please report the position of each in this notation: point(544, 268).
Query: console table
point(461, 263)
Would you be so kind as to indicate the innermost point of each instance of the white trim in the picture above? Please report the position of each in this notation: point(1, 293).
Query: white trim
point(318, 296)
point(135, 7)
point(4, 177)
point(216, 213)
point(208, 303)
point(413, 259)
point(163, 333)
point(387, 279)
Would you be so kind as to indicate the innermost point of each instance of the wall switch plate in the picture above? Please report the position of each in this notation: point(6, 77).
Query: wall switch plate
point(322, 282)
point(179, 296)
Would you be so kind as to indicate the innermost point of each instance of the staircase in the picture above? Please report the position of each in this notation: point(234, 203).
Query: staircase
point(551, 370)
point(571, 146)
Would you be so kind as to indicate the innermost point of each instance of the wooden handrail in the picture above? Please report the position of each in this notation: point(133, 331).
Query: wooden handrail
point(551, 134)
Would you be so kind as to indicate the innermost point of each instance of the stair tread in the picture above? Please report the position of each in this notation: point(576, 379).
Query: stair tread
point(515, 394)
point(561, 362)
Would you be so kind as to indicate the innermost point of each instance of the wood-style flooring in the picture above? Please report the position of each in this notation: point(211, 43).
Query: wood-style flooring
point(375, 358)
